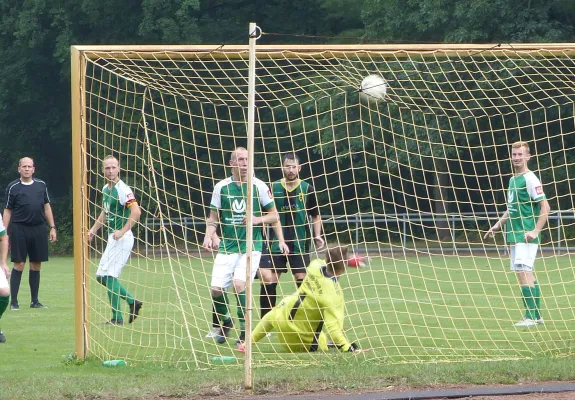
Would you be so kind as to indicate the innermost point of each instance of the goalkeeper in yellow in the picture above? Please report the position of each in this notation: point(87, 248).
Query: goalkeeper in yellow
point(307, 319)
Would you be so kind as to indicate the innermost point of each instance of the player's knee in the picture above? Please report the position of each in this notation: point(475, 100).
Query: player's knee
point(35, 266)
point(216, 291)
point(267, 276)
point(239, 286)
point(4, 292)
point(19, 266)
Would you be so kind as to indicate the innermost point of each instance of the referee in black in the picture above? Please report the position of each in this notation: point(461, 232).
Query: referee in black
point(26, 212)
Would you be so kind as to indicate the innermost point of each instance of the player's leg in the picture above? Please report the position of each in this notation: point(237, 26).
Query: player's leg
point(266, 325)
point(107, 275)
point(522, 262)
point(298, 265)
point(37, 244)
point(120, 256)
point(271, 268)
point(239, 281)
point(4, 299)
point(222, 275)
point(214, 330)
point(18, 255)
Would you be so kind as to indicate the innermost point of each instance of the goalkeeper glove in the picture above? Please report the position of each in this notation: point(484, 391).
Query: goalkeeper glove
point(353, 348)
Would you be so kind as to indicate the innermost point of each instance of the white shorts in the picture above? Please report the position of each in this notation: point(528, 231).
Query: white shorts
point(523, 256)
point(116, 255)
point(232, 267)
point(3, 280)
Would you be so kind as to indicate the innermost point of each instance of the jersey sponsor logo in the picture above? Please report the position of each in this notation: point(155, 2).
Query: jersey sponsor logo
point(538, 189)
point(106, 207)
point(300, 196)
point(239, 207)
point(510, 196)
point(130, 196)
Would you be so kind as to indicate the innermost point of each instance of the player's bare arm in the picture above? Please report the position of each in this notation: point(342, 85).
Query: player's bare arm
point(211, 240)
point(97, 225)
point(269, 217)
point(541, 220)
point(50, 220)
point(497, 226)
point(6, 218)
point(277, 227)
point(317, 227)
point(4, 255)
point(135, 213)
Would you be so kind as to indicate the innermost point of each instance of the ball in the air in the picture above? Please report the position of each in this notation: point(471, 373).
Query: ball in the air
point(374, 87)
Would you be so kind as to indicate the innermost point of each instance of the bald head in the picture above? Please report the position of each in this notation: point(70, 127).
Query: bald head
point(26, 160)
point(26, 169)
point(239, 164)
point(111, 168)
point(239, 151)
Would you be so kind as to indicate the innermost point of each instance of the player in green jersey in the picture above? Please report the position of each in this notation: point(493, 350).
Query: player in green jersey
point(317, 306)
point(4, 275)
point(120, 213)
point(228, 210)
point(526, 215)
point(296, 201)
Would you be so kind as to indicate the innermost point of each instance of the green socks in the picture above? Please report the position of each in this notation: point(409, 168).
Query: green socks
point(221, 307)
point(3, 304)
point(537, 296)
point(531, 295)
point(241, 297)
point(116, 292)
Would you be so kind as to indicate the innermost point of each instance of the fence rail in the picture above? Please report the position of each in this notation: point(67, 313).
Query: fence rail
point(403, 221)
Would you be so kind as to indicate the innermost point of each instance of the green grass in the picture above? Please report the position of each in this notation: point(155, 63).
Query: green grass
point(405, 310)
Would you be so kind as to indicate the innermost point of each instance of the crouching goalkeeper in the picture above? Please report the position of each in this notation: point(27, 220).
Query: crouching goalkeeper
point(306, 320)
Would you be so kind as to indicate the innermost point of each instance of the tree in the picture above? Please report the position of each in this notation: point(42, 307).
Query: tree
point(480, 21)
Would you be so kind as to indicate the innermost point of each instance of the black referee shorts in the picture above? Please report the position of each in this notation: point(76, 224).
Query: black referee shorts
point(28, 241)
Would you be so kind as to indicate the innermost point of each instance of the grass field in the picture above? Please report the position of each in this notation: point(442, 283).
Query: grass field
point(431, 309)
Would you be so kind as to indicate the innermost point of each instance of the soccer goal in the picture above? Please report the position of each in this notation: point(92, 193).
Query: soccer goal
point(412, 180)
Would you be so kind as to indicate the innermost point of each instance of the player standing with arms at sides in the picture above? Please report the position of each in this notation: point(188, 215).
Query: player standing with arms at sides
point(526, 215)
point(228, 209)
point(26, 212)
point(120, 213)
point(295, 200)
point(317, 306)
point(4, 275)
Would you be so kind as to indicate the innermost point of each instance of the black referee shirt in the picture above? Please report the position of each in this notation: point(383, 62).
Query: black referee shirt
point(27, 202)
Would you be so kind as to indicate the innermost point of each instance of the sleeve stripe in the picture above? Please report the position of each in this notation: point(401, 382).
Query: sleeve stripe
point(8, 195)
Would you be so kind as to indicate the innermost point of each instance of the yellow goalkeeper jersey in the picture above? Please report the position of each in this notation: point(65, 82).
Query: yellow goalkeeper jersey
point(300, 318)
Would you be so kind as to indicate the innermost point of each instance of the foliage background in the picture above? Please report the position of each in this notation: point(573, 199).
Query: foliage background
point(35, 37)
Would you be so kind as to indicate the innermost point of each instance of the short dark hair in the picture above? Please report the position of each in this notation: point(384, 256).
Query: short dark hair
point(336, 259)
point(290, 156)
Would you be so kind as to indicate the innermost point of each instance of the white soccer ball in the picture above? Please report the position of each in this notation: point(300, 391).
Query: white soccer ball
point(374, 87)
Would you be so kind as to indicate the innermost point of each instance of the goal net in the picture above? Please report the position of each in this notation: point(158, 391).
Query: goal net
point(413, 181)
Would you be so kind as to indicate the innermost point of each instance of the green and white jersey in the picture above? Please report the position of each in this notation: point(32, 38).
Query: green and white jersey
point(117, 203)
point(523, 197)
point(229, 201)
point(293, 207)
point(2, 228)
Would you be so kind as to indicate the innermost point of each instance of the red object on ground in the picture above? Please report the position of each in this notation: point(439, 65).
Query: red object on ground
point(356, 261)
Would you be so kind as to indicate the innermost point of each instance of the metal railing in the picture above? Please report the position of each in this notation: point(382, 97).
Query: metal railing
point(404, 222)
